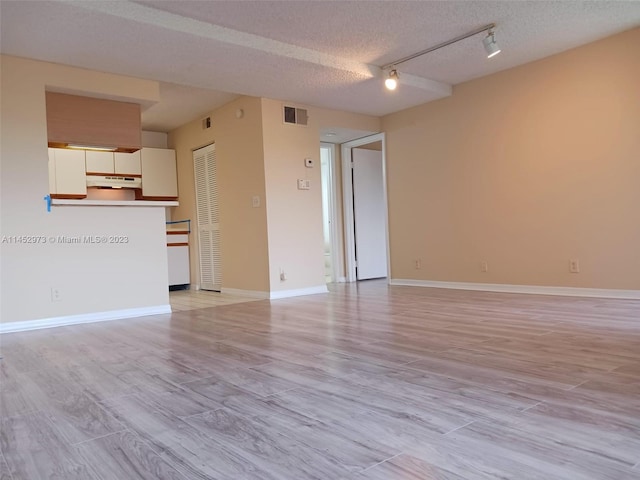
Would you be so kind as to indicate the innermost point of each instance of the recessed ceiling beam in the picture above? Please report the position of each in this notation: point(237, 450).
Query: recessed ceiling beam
point(178, 23)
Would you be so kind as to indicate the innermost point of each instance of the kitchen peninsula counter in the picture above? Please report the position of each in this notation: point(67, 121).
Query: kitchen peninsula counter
point(112, 203)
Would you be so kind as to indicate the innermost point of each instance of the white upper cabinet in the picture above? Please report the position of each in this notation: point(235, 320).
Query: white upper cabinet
point(68, 170)
point(104, 163)
point(52, 171)
point(159, 176)
point(127, 163)
point(67, 175)
point(99, 162)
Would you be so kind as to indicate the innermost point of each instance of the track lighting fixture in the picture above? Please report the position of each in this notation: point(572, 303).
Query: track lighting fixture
point(489, 42)
point(490, 45)
point(391, 81)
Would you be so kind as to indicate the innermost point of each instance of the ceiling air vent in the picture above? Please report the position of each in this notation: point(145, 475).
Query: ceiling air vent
point(295, 116)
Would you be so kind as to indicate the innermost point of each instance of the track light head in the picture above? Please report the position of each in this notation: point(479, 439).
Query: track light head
point(490, 45)
point(392, 80)
point(489, 42)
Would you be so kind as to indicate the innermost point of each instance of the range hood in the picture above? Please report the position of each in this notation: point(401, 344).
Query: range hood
point(113, 181)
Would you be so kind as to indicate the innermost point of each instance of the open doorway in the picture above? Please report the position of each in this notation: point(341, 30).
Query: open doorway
point(329, 211)
point(365, 208)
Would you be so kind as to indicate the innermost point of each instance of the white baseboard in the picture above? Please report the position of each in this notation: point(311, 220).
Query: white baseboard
point(246, 293)
point(298, 292)
point(528, 289)
point(83, 318)
point(341, 280)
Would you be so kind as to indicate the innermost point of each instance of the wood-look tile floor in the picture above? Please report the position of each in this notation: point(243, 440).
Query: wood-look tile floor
point(192, 299)
point(366, 382)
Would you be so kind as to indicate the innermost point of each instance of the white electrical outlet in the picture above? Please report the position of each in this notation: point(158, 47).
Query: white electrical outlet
point(255, 201)
point(55, 294)
point(418, 263)
point(574, 266)
point(484, 267)
point(304, 184)
point(283, 276)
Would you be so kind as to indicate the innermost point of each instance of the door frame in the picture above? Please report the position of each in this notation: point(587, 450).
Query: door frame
point(336, 258)
point(347, 203)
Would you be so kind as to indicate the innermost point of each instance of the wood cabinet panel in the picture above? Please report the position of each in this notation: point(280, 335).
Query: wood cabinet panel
point(73, 119)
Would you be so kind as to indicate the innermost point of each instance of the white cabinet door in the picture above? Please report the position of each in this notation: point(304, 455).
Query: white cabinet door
point(70, 176)
point(178, 258)
point(127, 163)
point(52, 171)
point(208, 217)
point(99, 162)
point(159, 176)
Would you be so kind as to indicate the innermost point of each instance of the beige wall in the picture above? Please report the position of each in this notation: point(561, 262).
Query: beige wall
point(327, 118)
point(524, 169)
point(154, 139)
point(240, 168)
point(90, 278)
point(294, 216)
point(260, 155)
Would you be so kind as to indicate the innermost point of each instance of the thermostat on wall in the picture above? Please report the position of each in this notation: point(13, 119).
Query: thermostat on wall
point(308, 162)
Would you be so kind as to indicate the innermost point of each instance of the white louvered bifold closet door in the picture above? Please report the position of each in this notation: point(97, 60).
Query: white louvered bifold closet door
point(208, 218)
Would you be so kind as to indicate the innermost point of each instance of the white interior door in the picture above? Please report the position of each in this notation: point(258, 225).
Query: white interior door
point(369, 214)
point(208, 218)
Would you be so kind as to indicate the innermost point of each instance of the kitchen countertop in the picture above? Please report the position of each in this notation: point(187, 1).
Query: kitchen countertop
point(112, 203)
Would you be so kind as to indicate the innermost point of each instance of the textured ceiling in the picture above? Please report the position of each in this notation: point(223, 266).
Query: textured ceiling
point(180, 105)
point(324, 53)
point(342, 135)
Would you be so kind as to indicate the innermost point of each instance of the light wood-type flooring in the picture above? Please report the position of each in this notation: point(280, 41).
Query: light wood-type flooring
point(366, 382)
point(192, 299)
